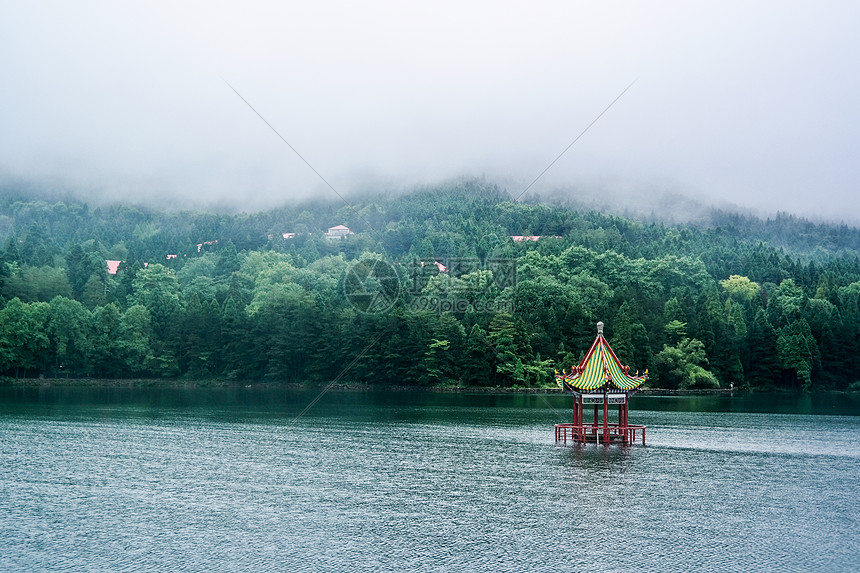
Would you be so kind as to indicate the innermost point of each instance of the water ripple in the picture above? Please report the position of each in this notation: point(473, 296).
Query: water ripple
point(193, 491)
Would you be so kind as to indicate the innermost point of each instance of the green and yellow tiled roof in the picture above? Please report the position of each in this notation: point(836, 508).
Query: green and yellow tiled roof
point(600, 370)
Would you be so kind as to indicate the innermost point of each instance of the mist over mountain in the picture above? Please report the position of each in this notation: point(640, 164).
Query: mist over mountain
point(660, 206)
point(26, 203)
point(732, 103)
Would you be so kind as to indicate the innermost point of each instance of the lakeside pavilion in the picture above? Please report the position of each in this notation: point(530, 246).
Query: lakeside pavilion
point(600, 380)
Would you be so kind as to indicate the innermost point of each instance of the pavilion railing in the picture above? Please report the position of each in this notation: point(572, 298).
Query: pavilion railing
point(600, 433)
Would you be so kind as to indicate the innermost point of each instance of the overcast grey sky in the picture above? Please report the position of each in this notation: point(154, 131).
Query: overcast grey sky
point(754, 103)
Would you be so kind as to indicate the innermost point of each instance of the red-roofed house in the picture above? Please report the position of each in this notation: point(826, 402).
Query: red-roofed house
point(113, 266)
point(442, 268)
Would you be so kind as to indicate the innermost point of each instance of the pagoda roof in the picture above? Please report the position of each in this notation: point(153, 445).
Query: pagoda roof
point(600, 370)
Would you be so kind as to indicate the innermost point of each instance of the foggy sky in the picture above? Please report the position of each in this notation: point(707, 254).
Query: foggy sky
point(751, 103)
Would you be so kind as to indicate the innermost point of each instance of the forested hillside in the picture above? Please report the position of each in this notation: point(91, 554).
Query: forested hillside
point(430, 288)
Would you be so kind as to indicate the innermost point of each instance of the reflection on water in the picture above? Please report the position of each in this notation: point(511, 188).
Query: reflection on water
point(199, 480)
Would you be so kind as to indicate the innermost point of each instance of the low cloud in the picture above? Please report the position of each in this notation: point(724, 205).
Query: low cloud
point(742, 104)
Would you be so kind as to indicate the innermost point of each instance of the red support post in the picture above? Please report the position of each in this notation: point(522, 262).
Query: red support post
point(605, 418)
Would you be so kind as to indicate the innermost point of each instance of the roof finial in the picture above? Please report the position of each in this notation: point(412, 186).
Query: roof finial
point(600, 328)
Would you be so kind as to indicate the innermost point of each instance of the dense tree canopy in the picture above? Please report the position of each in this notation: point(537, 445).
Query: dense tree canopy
point(732, 300)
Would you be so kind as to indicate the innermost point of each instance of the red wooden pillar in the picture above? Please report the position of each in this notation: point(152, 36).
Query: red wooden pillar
point(628, 438)
point(581, 419)
point(605, 418)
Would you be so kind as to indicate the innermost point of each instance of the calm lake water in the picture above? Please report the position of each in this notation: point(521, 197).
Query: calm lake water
point(237, 479)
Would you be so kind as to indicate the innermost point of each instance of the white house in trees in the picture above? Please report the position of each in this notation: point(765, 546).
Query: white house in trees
point(338, 232)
